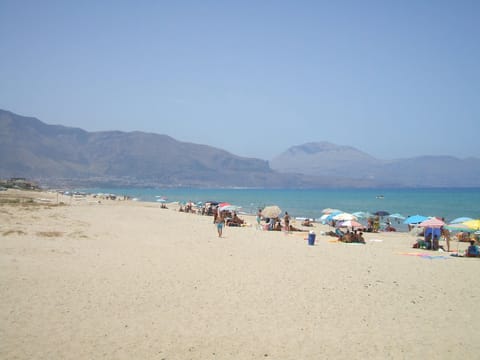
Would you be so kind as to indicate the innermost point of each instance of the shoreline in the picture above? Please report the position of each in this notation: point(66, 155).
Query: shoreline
point(308, 203)
point(126, 279)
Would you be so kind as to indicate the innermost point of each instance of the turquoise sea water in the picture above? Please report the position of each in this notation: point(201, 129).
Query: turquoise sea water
point(447, 203)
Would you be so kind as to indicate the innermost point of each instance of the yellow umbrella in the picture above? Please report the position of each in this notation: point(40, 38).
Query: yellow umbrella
point(473, 224)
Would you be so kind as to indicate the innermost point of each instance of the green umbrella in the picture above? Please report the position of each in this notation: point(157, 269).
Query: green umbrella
point(458, 227)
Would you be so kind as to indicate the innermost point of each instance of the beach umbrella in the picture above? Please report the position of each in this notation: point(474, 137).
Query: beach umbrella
point(329, 211)
point(382, 213)
point(397, 216)
point(229, 208)
point(344, 217)
point(323, 218)
point(415, 219)
point(458, 227)
point(432, 223)
point(161, 200)
point(432, 226)
point(327, 217)
point(331, 215)
point(271, 211)
point(473, 224)
point(362, 214)
point(460, 220)
point(350, 223)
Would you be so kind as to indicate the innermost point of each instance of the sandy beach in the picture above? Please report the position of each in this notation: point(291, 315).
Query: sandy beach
point(127, 280)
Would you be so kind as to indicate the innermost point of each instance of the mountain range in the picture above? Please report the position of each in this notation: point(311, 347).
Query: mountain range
point(347, 162)
point(55, 154)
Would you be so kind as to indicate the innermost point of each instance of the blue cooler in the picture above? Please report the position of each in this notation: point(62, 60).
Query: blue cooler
point(311, 238)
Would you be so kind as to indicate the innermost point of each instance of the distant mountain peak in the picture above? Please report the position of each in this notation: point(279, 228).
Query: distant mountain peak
point(321, 147)
point(314, 147)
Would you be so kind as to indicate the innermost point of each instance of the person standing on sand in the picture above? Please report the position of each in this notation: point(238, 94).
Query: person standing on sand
point(219, 222)
point(286, 220)
point(446, 236)
point(259, 218)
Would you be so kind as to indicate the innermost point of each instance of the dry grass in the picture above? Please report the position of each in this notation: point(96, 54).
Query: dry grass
point(26, 203)
point(16, 201)
point(49, 233)
point(13, 232)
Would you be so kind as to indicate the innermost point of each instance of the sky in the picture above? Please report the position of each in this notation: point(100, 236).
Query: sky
point(394, 79)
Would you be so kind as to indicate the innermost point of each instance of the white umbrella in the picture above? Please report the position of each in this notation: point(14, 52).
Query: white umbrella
point(271, 211)
point(344, 217)
point(329, 211)
point(229, 208)
point(350, 223)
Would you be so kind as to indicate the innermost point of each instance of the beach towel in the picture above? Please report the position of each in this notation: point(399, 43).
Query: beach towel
point(425, 256)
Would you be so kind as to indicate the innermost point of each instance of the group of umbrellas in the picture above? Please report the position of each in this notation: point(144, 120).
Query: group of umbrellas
point(459, 224)
point(350, 220)
point(343, 219)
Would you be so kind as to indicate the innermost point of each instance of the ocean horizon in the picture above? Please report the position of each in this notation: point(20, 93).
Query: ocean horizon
point(447, 203)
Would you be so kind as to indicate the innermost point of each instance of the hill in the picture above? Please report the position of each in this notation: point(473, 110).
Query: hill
point(55, 154)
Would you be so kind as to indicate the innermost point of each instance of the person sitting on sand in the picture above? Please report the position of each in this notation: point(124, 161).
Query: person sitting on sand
point(347, 238)
point(390, 228)
point(420, 244)
point(278, 225)
point(306, 222)
point(472, 250)
point(360, 238)
point(235, 220)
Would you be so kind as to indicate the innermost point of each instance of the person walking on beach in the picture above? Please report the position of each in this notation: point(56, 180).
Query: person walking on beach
point(219, 222)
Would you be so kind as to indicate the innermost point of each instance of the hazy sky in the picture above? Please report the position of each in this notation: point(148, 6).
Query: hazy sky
point(391, 78)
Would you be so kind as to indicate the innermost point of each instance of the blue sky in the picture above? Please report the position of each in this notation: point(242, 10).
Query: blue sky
point(392, 78)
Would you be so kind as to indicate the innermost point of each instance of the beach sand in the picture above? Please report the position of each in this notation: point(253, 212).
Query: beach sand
point(128, 280)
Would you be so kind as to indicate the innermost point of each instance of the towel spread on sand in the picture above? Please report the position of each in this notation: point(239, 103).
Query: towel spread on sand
point(424, 256)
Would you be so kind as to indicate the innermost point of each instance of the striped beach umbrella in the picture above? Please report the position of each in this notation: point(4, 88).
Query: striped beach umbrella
point(473, 224)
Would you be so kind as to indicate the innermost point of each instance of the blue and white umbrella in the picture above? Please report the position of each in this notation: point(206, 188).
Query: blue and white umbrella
point(415, 219)
point(396, 216)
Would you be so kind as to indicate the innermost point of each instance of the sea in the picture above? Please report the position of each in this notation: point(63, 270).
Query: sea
point(447, 203)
